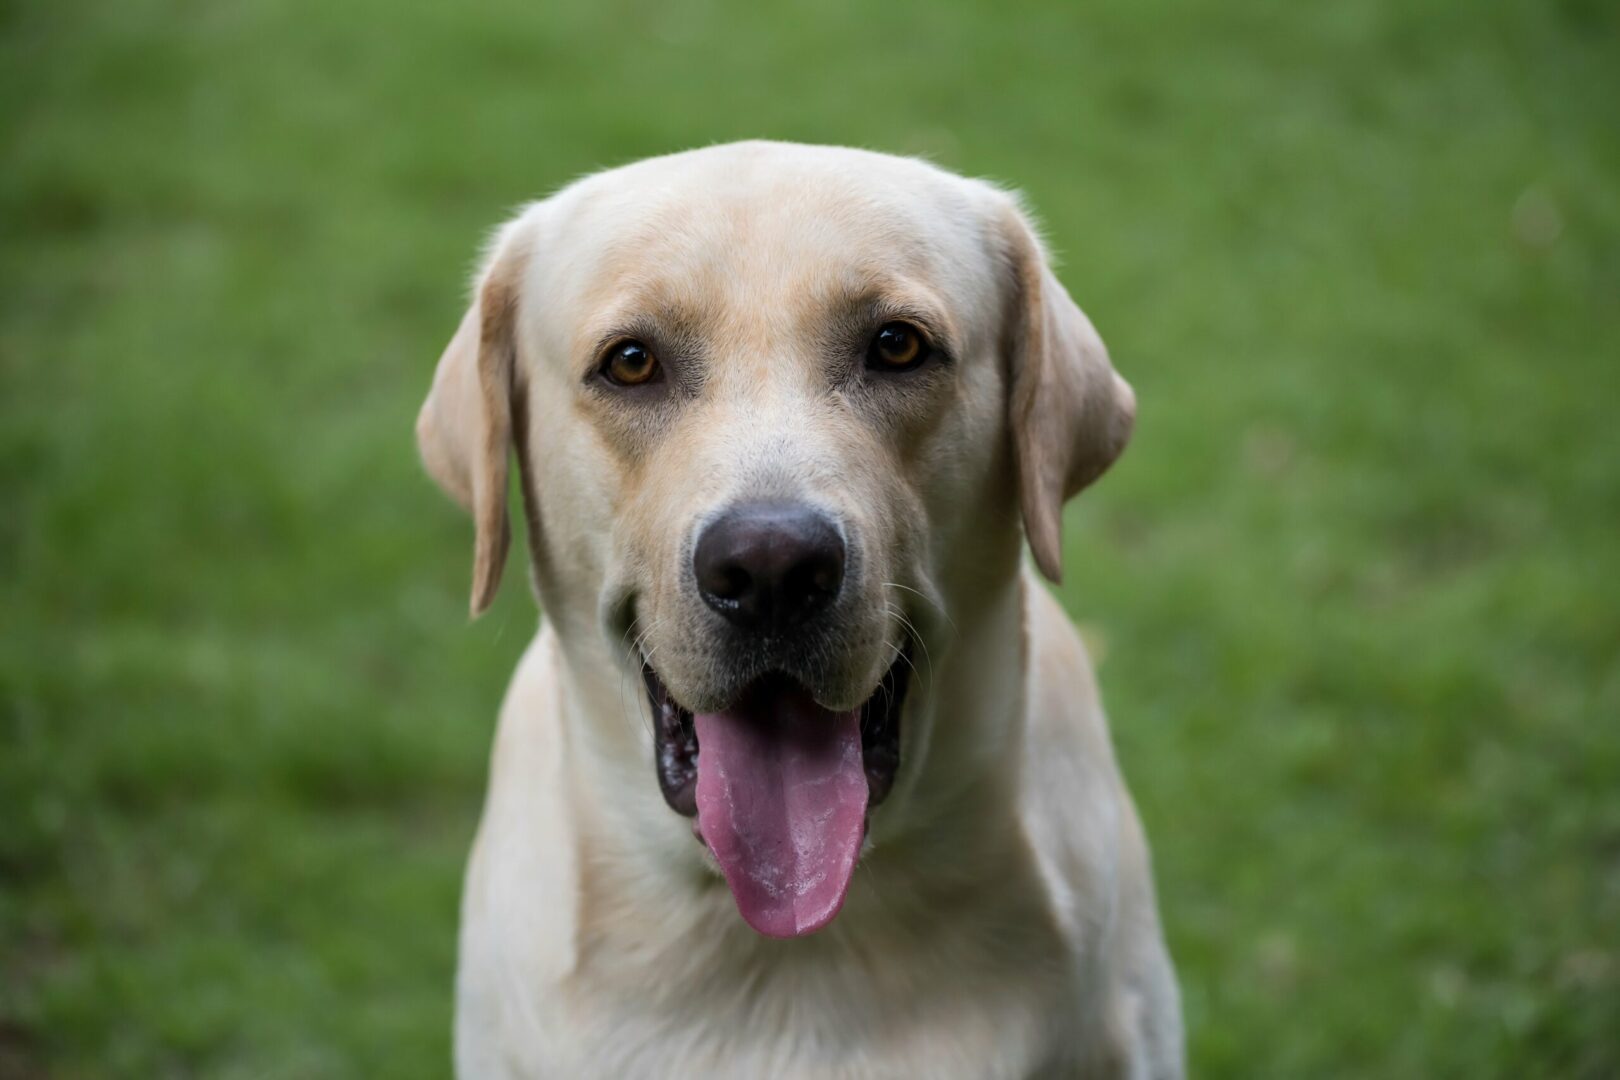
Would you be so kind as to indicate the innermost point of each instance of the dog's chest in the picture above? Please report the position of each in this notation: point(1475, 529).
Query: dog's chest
point(963, 1025)
point(939, 1005)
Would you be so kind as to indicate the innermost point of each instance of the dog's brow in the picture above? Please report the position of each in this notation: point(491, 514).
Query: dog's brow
point(655, 322)
point(865, 307)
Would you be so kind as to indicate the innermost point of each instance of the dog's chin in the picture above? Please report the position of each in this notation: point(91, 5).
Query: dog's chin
point(781, 788)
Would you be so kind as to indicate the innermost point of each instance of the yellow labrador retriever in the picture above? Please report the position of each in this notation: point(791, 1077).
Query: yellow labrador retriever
point(803, 775)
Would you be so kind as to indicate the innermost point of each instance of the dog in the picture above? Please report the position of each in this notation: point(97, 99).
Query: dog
point(805, 773)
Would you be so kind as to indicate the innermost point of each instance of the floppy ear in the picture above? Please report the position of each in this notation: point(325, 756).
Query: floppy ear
point(464, 430)
point(1070, 414)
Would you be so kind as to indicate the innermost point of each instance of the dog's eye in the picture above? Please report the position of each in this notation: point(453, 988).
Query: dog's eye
point(897, 346)
point(630, 364)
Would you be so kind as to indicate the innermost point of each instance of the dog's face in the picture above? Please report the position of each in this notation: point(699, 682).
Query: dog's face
point(772, 405)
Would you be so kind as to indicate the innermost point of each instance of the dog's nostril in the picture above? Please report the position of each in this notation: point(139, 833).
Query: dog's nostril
point(811, 585)
point(730, 582)
point(768, 566)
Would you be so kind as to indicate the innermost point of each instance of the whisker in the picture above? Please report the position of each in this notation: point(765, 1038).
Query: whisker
point(901, 653)
point(629, 709)
point(929, 600)
point(915, 636)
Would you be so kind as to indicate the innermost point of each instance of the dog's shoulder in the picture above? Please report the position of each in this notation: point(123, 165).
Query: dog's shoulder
point(519, 905)
point(1090, 844)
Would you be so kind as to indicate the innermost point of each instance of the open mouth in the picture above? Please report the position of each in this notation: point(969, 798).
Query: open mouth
point(781, 788)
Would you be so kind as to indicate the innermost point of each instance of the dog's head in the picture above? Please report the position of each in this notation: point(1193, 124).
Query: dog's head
point(775, 408)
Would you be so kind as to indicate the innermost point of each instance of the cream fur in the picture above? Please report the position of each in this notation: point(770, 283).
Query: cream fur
point(1002, 922)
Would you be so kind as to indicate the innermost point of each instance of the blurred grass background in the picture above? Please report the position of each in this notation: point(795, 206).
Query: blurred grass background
point(1356, 584)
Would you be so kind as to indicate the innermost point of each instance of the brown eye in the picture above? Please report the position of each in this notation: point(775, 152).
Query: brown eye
point(898, 346)
point(630, 364)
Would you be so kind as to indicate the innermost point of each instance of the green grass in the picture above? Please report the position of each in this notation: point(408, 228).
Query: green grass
point(1357, 581)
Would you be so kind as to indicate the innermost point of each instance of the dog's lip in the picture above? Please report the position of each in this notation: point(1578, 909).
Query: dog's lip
point(676, 746)
point(655, 684)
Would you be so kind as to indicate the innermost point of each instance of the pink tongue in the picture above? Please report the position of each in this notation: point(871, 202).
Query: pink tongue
point(781, 800)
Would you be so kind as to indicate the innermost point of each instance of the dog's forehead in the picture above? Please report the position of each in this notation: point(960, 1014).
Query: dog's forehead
point(758, 223)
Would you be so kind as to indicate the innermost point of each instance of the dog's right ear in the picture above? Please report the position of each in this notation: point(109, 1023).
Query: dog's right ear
point(464, 430)
point(1070, 412)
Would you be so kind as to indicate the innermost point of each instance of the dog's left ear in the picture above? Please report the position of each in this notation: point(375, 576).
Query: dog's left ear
point(464, 430)
point(1070, 413)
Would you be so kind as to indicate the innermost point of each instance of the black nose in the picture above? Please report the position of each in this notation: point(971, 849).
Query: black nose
point(769, 566)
